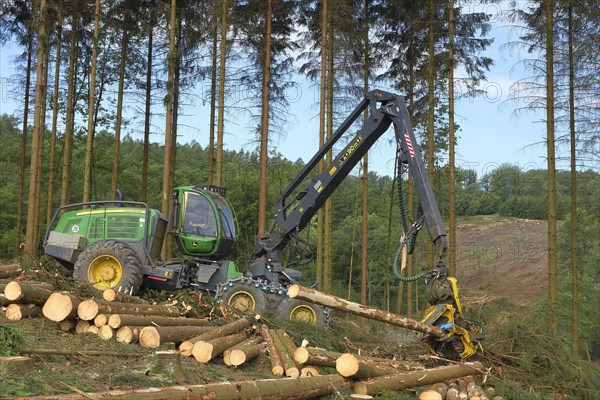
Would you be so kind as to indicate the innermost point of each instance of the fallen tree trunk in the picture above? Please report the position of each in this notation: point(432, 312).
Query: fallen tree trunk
point(86, 353)
point(129, 334)
point(113, 295)
point(187, 346)
point(289, 366)
point(349, 366)
point(16, 312)
point(265, 389)
point(154, 336)
point(206, 351)
point(88, 309)
point(336, 303)
point(118, 320)
point(60, 306)
point(248, 342)
point(10, 270)
point(26, 293)
point(327, 358)
point(275, 358)
point(417, 378)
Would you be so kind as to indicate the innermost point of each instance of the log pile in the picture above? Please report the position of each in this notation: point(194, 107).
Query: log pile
point(298, 371)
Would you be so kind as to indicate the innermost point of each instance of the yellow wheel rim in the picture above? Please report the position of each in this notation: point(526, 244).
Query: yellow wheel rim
point(304, 313)
point(242, 301)
point(105, 272)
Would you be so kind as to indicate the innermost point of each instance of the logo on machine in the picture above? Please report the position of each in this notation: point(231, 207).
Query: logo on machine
point(350, 150)
point(75, 228)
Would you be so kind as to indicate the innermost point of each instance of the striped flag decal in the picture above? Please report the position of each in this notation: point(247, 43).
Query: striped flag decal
point(409, 144)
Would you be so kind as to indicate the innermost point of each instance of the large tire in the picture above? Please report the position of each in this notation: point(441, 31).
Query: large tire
point(110, 264)
point(297, 310)
point(245, 298)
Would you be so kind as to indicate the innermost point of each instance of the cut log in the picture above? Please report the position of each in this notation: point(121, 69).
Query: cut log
point(244, 354)
point(16, 312)
point(289, 345)
point(309, 371)
point(82, 327)
point(129, 334)
point(94, 330)
point(117, 320)
point(106, 332)
point(168, 362)
point(154, 336)
point(10, 270)
point(275, 358)
point(60, 306)
point(113, 295)
point(336, 303)
point(441, 388)
point(186, 346)
point(265, 389)
point(248, 342)
point(417, 378)
point(86, 353)
point(88, 309)
point(26, 293)
point(430, 395)
point(100, 320)
point(326, 358)
point(356, 396)
point(206, 351)
point(452, 394)
point(289, 366)
point(349, 366)
point(67, 325)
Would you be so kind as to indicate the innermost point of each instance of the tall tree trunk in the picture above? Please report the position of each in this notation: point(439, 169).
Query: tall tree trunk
point(552, 262)
point(451, 161)
point(175, 112)
point(52, 171)
point(213, 97)
point(431, 112)
point(65, 192)
point(147, 114)
point(264, 126)
point(89, 146)
point(327, 228)
point(574, 275)
point(31, 239)
point(320, 276)
point(40, 154)
point(221, 114)
point(20, 201)
point(166, 191)
point(365, 177)
point(123, 61)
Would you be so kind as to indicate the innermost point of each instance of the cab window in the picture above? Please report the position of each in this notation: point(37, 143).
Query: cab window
point(199, 217)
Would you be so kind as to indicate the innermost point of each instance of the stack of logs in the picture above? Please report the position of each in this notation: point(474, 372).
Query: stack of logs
point(130, 319)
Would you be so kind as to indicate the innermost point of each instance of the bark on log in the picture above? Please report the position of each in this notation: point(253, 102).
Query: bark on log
point(26, 293)
point(88, 309)
point(326, 358)
point(4, 301)
point(100, 320)
point(248, 342)
point(349, 366)
point(265, 389)
point(187, 346)
point(289, 345)
point(16, 312)
point(106, 332)
point(154, 336)
point(289, 366)
point(86, 353)
point(129, 334)
point(417, 378)
point(60, 306)
point(82, 327)
point(117, 320)
point(244, 354)
point(206, 351)
point(336, 303)
point(113, 295)
point(10, 270)
point(67, 325)
point(275, 358)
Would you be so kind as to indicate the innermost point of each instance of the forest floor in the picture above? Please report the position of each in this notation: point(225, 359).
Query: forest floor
point(497, 258)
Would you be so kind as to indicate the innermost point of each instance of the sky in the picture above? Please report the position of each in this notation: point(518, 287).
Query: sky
point(490, 135)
